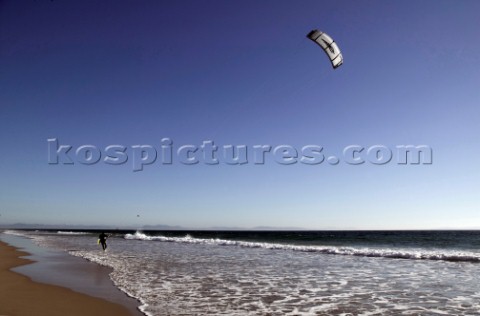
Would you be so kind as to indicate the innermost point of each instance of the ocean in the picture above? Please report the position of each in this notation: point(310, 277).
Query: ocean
point(286, 272)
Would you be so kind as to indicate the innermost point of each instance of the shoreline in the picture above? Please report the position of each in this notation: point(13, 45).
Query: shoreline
point(22, 294)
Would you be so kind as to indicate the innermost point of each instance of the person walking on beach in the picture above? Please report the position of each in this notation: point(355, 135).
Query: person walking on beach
point(103, 240)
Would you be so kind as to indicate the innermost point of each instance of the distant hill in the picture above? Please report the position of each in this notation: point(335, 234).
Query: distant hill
point(59, 227)
point(145, 227)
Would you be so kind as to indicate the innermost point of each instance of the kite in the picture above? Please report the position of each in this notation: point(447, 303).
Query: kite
point(329, 47)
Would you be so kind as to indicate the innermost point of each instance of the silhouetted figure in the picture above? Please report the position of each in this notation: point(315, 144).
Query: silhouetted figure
point(103, 240)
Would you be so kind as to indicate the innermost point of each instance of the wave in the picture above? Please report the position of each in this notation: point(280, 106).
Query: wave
point(25, 234)
point(14, 233)
point(71, 233)
point(414, 254)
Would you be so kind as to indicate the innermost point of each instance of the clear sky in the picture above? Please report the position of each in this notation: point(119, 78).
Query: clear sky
point(240, 73)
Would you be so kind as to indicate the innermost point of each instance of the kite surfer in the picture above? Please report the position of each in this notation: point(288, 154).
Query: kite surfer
point(102, 239)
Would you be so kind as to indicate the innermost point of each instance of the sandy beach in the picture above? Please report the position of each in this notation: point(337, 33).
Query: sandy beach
point(19, 295)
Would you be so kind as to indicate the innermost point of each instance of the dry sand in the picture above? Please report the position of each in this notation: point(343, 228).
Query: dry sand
point(20, 296)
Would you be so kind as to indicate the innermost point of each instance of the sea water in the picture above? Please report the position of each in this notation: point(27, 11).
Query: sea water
point(287, 273)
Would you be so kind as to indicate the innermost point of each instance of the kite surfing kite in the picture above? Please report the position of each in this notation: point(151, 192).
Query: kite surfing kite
point(329, 47)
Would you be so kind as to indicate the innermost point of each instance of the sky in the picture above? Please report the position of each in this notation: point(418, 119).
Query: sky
point(132, 73)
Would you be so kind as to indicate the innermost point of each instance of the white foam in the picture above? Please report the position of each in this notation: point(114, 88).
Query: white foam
point(15, 233)
point(118, 265)
point(71, 233)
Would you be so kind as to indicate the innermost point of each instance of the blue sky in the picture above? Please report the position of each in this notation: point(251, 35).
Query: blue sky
point(240, 72)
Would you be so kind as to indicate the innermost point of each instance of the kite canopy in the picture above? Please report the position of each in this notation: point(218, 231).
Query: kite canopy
point(328, 45)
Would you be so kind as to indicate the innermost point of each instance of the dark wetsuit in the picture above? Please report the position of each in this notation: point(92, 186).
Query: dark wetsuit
point(103, 240)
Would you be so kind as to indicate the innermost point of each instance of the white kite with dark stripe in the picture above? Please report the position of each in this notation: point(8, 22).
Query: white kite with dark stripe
point(328, 45)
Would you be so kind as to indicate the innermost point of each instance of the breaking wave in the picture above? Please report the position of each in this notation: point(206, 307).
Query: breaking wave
point(413, 254)
point(71, 233)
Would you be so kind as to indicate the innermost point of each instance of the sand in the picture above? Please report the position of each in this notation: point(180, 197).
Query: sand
point(20, 296)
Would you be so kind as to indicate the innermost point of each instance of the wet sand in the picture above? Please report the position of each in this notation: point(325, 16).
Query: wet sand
point(19, 295)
